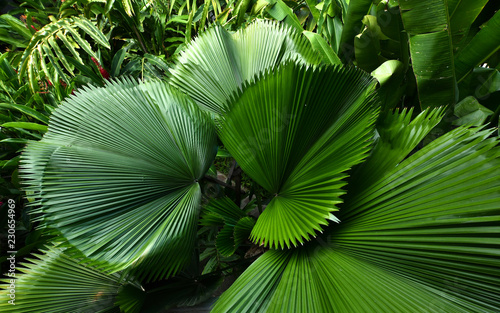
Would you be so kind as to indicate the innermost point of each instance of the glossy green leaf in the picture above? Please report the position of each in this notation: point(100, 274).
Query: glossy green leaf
point(26, 125)
point(471, 112)
point(319, 44)
point(16, 25)
point(295, 132)
point(280, 11)
point(462, 15)
point(427, 24)
point(482, 45)
point(26, 110)
point(387, 70)
point(356, 10)
point(117, 62)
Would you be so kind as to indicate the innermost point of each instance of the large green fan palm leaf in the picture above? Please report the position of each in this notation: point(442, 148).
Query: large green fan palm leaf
point(423, 237)
point(117, 175)
point(58, 282)
point(217, 63)
point(296, 132)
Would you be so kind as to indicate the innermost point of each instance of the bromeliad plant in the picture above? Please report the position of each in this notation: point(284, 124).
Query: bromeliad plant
point(348, 218)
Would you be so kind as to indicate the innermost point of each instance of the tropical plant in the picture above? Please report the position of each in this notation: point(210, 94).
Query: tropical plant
point(439, 52)
point(342, 213)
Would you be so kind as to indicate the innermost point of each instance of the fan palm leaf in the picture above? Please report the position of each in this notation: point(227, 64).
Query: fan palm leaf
point(397, 135)
point(296, 132)
point(217, 63)
point(58, 282)
point(421, 238)
point(117, 175)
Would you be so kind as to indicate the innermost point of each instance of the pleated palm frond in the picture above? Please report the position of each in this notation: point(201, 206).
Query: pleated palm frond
point(296, 132)
point(434, 219)
point(422, 238)
point(57, 282)
point(117, 175)
point(236, 225)
point(397, 136)
point(325, 280)
point(217, 63)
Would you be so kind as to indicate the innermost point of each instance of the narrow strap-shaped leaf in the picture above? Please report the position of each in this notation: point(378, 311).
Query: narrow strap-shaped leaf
point(17, 25)
point(26, 125)
point(90, 29)
point(60, 56)
point(26, 110)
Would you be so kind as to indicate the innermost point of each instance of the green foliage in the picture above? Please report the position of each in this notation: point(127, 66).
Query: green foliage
point(162, 163)
point(219, 63)
point(295, 132)
point(63, 284)
point(143, 197)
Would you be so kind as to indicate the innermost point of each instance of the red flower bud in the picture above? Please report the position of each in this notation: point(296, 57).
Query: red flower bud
point(95, 61)
point(104, 73)
point(34, 28)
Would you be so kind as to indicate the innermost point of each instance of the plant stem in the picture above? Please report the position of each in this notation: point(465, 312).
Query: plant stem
point(219, 182)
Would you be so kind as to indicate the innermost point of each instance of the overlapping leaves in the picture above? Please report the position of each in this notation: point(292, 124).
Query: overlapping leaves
point(217, 63)
point(236, 225)
point(422, 238)
point(45, 54)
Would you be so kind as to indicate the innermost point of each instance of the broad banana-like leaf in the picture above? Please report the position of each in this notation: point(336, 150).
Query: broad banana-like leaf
point(424, 238)
point(217, 63)
point(470, 112)
point(483, 44)
point(280, 11)
point(427, 24)
point(57, 282)
point(356, 9)
point(462, 15)
point(367, 45)
point(117, 175)
point(296, 131)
